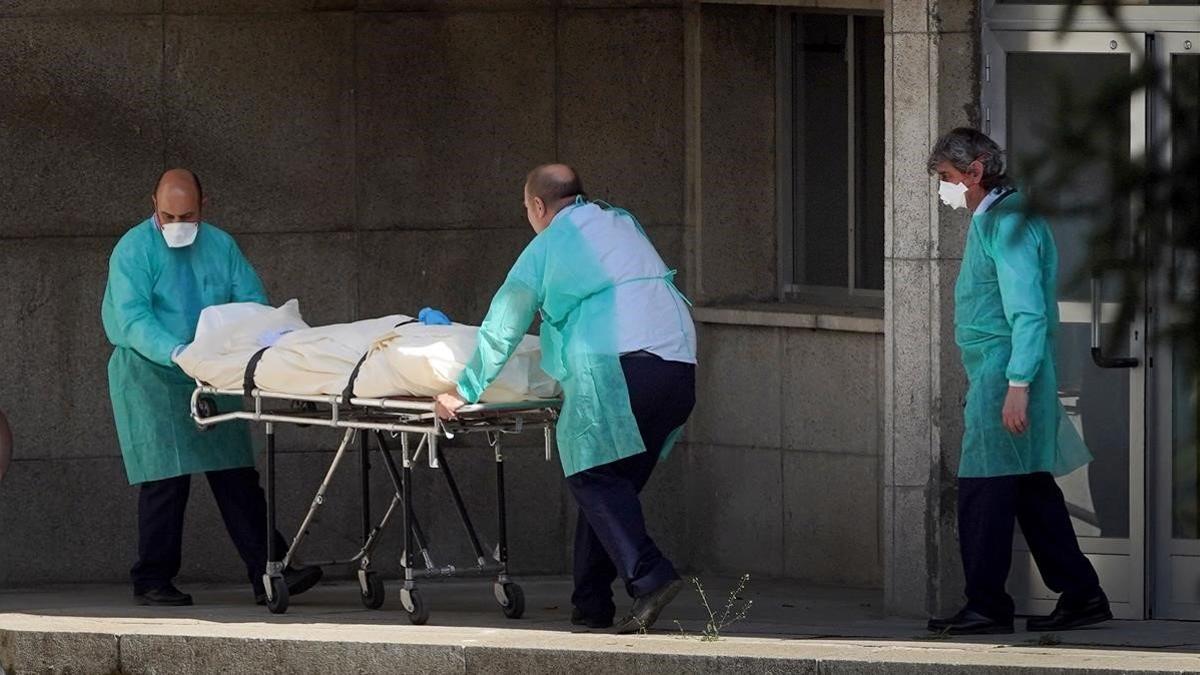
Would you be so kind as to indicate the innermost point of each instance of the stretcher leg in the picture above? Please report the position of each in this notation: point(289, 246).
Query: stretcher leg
point(371, 534)
point(414, 604)
point(273, 582)
point(501, 515)
point(364, 466)
point(272, 554)
point(509, 594)
point(370, 585)
point(399, 482)
point(389, 462)
point(319, 498)
point(462, 510)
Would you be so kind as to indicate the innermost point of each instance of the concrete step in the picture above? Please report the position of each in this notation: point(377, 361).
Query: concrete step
point(83, 630)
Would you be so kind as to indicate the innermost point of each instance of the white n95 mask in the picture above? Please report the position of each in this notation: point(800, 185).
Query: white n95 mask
point(179, 235)
point(953, 195)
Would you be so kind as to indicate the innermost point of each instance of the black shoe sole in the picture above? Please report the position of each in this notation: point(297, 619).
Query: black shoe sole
point(636, 624)
point(1081, 622)
point(594, 625)
point(990, 630)
point(145, 602)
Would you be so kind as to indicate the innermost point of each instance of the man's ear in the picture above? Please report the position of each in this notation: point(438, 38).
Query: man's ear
point(975, 172)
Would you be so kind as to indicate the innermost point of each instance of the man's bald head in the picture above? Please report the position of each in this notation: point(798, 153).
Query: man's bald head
point(553, 183)
point(178, 196)
point(548, 188)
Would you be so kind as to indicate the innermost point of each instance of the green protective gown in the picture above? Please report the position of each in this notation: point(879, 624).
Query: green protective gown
point(151, 305)
point(1006, 321)
point(561, 275)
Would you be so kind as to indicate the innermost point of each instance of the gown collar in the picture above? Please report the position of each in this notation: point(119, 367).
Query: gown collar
point(992, 197)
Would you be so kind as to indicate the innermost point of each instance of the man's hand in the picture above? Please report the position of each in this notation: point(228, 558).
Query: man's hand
point(1016, 404)
point(446, 405)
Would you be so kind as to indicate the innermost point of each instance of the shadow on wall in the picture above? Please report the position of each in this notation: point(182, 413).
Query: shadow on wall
point(6, 445)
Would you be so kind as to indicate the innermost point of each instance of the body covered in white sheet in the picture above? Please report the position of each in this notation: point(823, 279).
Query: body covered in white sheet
point(403, 357)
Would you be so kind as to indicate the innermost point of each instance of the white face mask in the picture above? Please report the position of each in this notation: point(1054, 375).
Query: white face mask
point(953, 195)
point(179, 235)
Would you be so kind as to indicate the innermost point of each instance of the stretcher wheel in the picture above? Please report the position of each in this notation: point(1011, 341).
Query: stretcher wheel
point(514, 608)
point(419, 614)
point(373, 594)
point(277, 601)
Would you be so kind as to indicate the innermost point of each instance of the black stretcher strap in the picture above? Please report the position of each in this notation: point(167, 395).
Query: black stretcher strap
point(348, 392)
point(251, 366)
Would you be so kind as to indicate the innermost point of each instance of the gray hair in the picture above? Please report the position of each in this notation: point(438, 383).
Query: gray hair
point(963, 146)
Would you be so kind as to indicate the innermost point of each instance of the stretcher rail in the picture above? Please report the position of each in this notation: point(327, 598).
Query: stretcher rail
point(379, 418)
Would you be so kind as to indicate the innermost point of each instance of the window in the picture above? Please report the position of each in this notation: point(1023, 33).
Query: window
point(831, 141)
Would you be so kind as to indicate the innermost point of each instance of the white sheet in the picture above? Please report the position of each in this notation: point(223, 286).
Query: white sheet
point(404, 360)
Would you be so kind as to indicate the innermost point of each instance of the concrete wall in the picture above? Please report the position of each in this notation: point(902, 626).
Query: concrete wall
point(368, 156)
point(932, 85)
point(784, 454)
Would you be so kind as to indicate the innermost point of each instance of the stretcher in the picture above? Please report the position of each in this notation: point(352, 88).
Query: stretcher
point(375, 423)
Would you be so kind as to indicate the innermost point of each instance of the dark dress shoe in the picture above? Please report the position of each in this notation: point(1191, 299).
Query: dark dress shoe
point(578, 619)
point(647, 608)
point(299, 579)
point(1069, 615)
point(970, 622)
point(167, 596)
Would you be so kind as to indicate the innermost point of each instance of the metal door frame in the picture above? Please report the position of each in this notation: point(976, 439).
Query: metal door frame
point(1137, 18)
point(996, 45)
point(1163, 546)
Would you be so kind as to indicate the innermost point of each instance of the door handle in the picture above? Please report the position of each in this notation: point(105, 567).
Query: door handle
point(1098, 356)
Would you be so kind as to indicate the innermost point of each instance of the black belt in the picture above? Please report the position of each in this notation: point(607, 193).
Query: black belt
point(640, 354)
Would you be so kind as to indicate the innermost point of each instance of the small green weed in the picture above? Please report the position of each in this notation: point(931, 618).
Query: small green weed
point(735, 610)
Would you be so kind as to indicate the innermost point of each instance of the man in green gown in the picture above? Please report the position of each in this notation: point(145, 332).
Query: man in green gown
point(1016, 437)
point(161, 274)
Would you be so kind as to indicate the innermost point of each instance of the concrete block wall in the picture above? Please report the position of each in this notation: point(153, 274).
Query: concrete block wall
point(784, 455)
point(736, 233)
point(783, 462)
point(368, 156)
point(932, 86)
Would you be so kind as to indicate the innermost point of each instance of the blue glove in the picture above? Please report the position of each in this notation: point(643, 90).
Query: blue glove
point(432, 317)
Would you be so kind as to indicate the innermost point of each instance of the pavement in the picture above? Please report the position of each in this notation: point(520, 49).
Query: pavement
point(789, 628)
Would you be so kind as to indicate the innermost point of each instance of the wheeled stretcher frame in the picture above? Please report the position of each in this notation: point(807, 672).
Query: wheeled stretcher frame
point(381, 418)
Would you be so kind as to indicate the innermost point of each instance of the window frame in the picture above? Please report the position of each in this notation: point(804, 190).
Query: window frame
point(787, 288)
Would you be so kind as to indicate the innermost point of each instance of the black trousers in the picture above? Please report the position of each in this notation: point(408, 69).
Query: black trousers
point(161, 505)
point(610, 531)
point(987, 511)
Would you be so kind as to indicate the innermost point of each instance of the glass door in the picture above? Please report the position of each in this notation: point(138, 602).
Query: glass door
point(1176, 487)
point(1103, 393)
